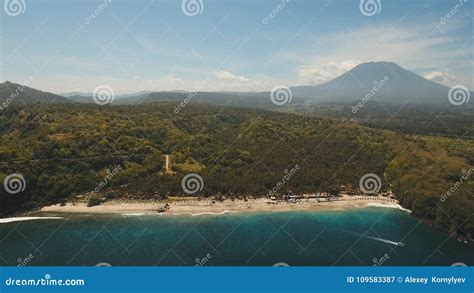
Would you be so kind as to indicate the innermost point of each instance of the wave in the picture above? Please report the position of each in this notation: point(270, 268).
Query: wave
point(208, 213)
point(133, 214)
point(390, 206)
point(381, 240)
point(21, 219)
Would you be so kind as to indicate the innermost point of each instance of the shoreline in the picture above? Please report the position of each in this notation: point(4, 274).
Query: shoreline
point(197, 207)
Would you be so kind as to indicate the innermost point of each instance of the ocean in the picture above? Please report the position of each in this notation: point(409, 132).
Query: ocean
point(368, 237)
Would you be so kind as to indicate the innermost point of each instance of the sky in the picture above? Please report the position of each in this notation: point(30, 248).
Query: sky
point(228, 45)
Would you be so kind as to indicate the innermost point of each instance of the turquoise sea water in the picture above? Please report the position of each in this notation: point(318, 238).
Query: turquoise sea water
point(355, 237)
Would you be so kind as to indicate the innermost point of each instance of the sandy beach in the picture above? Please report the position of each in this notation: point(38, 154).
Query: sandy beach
point(208, 206)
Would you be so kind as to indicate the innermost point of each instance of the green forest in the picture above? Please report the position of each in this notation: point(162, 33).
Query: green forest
point(66, 150)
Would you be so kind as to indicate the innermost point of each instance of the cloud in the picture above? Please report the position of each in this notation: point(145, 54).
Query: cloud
point(440, 76)
point(217, 81)
point(416, 48)
point(163, 64)
point(316, 73)
point(227, 75)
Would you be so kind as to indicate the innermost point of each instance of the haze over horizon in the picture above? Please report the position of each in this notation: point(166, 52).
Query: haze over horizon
point(155, 46)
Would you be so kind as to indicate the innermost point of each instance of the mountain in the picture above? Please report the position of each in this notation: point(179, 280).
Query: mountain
point(73, 94)
point(385, 82)
point(12, 93)
point(400, 86)
point(80, 97)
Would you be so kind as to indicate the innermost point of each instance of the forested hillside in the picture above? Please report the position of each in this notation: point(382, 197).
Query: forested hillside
point(69, 149)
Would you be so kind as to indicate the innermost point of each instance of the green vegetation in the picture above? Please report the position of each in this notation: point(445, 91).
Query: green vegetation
point(93, 201)
point(449, 121)
point(73, 149)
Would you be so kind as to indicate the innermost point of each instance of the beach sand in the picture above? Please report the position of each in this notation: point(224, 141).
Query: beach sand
point(207, 206)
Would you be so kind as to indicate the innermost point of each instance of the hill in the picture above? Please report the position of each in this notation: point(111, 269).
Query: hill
point(16, 94)
point(238, 153)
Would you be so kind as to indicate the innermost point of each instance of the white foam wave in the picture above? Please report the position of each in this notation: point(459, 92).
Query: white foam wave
point(207, 213)
point(381, 239)
point(389, 206)
point(20, 219)
point(133, 214)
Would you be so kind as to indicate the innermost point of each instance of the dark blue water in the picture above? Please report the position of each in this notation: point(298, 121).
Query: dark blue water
point(355, 237)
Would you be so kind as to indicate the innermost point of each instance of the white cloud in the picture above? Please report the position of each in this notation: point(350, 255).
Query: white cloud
point(316, 73)
point(414, 48)
point(418, 48)
point(221, 81)
point(227, 75)
point(440, 76)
